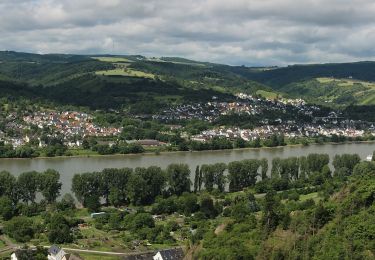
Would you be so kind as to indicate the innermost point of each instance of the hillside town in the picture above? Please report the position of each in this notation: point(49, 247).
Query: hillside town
point(243, 103)
point(74, 126)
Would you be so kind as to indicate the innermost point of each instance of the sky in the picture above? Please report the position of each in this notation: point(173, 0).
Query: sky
point(236, 32)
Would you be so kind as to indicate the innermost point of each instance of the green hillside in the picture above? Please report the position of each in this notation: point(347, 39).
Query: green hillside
point(124, 80)
point(330, 91)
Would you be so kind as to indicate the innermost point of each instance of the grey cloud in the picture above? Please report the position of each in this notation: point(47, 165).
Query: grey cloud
point(253, 32)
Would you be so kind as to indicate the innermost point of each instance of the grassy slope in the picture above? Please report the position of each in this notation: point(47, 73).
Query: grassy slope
point(333, 91)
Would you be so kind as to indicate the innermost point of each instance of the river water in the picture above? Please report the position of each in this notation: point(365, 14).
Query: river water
point(68, 166)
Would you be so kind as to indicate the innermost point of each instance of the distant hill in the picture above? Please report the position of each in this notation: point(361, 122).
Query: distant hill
point(130, 80)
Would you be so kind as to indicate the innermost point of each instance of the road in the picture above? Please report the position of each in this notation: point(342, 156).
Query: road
point(10, 246)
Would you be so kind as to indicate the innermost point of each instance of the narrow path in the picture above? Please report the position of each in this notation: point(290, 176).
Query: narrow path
point(12, 246)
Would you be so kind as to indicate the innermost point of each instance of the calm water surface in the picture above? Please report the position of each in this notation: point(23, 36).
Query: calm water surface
point(69, 166)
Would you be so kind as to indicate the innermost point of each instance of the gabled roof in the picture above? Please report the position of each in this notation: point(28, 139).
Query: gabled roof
point(54, 250)
point(172, 254)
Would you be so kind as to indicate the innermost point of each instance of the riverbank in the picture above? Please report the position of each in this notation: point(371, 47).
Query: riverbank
point(68, 166)
point(158, 153)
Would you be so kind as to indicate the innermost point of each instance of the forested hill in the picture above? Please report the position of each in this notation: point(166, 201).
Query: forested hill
point(133, 80)
point(279, 77)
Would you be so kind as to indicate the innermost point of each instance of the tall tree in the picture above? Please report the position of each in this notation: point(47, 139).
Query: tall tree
point(196, 179)
point(27, 184)
point(208, 176)
point(220, 180)
point(264, 165)
point(7, 184)
point(50, 185)
point(178, 178)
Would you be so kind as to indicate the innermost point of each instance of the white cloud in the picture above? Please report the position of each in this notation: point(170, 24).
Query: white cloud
point(254, 32)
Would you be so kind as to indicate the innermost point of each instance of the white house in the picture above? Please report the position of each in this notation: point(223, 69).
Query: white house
point(56, 253)
point(169, 254)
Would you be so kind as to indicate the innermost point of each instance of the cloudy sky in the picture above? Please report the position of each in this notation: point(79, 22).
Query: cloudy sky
point(251, 32)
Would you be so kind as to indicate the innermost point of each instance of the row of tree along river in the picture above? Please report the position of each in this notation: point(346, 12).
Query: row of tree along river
point(179, 172)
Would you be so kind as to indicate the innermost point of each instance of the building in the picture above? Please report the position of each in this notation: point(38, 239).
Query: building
point(56, 253)
point(170, 254)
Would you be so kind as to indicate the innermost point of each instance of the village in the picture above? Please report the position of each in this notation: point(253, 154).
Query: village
point(244, 103)
point(74, 126)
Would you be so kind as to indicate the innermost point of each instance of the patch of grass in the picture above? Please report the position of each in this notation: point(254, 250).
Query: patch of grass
point(267, 94)
point(2, 244)
point(81, 152)
point(325, 80)
point(90, 256)
point(112, 59)
point(313, 196)
point(125, 73)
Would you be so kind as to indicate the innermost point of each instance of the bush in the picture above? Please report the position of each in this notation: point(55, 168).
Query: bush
point(20, 228)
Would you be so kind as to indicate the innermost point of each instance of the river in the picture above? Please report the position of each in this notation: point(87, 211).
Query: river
point(68, 166)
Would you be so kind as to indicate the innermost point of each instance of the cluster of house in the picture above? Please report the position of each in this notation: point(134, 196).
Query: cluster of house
point(244, 104)
point(70, 123)
point(288, 129)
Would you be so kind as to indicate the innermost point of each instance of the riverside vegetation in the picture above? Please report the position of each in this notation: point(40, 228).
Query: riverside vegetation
point(230, 211)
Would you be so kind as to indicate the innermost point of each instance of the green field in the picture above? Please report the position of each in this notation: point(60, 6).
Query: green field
point(267, 94)
point(125, 73)
point(112, 59)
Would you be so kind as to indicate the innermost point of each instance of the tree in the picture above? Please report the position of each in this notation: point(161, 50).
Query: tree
point(240, 211)
point(86, 185)
point(239, 143)
point(20, 228)
point(137, 189)
point(59, 230)
point(276, 168)
point(67, 202)
point(270, 218)
point(320, 216)
point(7, 184)
point(50, 185)
point(135, 222)
point(364, 168)
point(27, 184)
point(347, 161)
point(207, 207)
point(92, 203)
point(114, 221)
point(316, 162)
point(242, 174)
point(264, 165)
point(208, 176)
point(188, 203)
point(196, 179)
point(6, 208)
point(219, 178)
point(115, 198)
point(178, 178)
point(303, 167)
